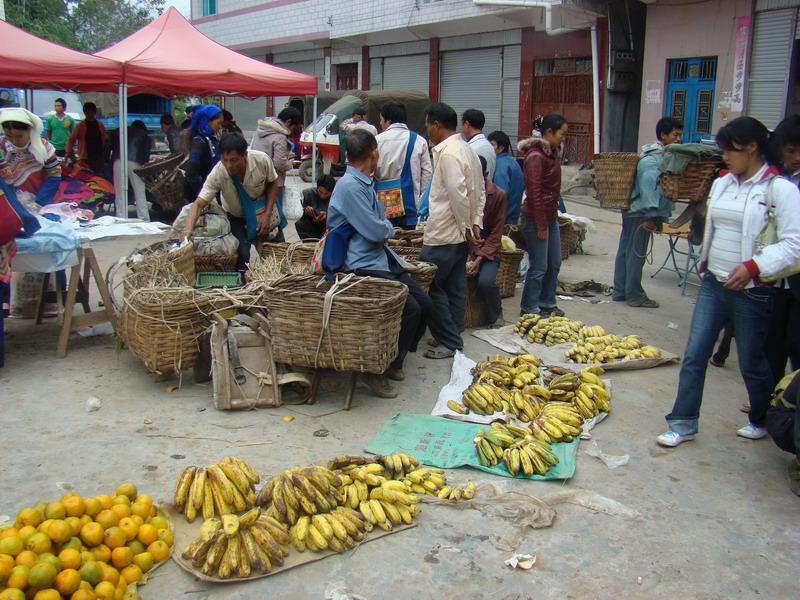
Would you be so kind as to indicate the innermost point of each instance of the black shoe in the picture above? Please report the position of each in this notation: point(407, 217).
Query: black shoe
point(717, 361)
point(551, 312)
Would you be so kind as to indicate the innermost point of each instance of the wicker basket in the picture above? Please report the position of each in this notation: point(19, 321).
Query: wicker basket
point(298, 254)
point(423, 273)
point(165, 180)
point(476, 314)
point(570, 237)
point(181, 258)
point(408, 252)
point(694, 183)
point(614, 173)
point(162, 326)
point(362, 329)
point(215, 263)
point(507, 271)
point(407, 237)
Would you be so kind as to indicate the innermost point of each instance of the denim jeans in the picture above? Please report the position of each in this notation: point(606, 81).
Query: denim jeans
point(630, 259)
point(448, 292)
point(749, 311)
point(783, 341)
point(545, 263)
point(489, 290)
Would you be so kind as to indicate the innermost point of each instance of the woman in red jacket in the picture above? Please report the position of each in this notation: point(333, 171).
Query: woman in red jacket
point(542, 170)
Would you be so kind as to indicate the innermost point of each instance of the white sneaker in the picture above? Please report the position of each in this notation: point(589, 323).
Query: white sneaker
point(670, 439)
point(752, 432)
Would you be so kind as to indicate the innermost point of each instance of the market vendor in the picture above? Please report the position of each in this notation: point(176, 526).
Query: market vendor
point(484, 260)
point(312, 224)
point(355, 203)
point(246, 183)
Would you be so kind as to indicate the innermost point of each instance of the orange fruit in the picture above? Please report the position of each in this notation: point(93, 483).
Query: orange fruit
point(39, 542)
point(48, 594)
point(105, 590)
point(110, 574)
point(139, 520)
point(92, 506)
point(83, 594)
point(73, 542)
point(12, 594)
point(55, 510)
point(159, 522)
point(121, 510)
point(70, 558)
point(121, 557)
point(114, 537)
point(68, 581)
point(131, 573)
point(137, 546)
point(8, 532)
point(48, 557)
point(26, 532)
point(59, 531)
point(75, 524)
point(147, 534)
point(44, 526)
point(11, 545)
point(74, 505)
point(144, 561)
point(145, 498)
point(29, 516)
point(6, 564)
point(105, 501)
point(91, 572)
point(166, 536)
point(19, 577)
point(122, 500)
point(126, 489)
point(143, 511)
point(107, 518)
point(86, 556)
point(159, 550)
point(102, 553)
point(86, 519)
point(42, 575)
point(27, 558)
point(92, 534)
point(130, 527)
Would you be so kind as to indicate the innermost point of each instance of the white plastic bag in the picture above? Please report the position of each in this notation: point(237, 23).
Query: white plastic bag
point(292, 204)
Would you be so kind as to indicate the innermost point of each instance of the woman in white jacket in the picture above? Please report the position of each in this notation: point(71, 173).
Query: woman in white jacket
point(733, 264)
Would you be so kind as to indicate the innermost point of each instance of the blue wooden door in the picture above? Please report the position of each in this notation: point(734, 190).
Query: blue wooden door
point(690, 95)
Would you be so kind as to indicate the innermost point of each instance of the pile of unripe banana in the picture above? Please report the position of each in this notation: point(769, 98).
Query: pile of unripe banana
point(596, 346)
point(552, 331)
point(516, 447)
point(221, 489)
point(242, 546)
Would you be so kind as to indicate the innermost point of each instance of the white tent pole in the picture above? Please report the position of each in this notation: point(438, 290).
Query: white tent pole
point(123, 147)
point(314, 145)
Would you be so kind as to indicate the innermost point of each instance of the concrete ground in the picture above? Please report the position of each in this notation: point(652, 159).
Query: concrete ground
point(711, 519)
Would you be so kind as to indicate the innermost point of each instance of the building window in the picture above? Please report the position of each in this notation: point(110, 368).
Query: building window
point(209, 7)
point(347, 76)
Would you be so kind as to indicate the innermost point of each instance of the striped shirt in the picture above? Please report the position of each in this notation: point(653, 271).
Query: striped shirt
point(727, 214)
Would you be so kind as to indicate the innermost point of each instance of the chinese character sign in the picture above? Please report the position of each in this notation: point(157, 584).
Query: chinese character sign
point(740, 63)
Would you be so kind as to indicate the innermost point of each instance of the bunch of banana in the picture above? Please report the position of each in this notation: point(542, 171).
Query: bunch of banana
point(356, 482)
point(344, 460)
point(562, 387)
point(529, 456)
point(526, 323)
point(591, 331)
point(457, 407)
point(557, 422)
point(398, 464)
point(591, 397)
point(391, 504)
point(555, 330)
point(338, 530)
point(490, 443)
point(454, 494)
point(300, 491)
point(525, 404)
point(239, 546)
point(221, 489)
point(425, 480)
point(485, 398)
point(499, 361)
point(609, 349)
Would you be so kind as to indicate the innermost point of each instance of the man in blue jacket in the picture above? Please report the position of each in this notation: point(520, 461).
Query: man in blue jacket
point(508, 175)
point(649, 209)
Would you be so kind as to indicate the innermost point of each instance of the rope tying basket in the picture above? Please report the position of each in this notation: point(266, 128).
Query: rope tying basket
point(507, 271)
point(423, 273)
point(165, 180)
point(614, 173)
point(296, 254)
point(694, 183)
point(352, 324)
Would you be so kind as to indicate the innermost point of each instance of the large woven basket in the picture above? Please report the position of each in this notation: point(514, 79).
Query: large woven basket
point(361, 332)
point(507, 271)
point(215, 263)
point(614, 173)
point(407, 237)
point(408, 252)
point(162, 326)
point(181, 258)
point(570, 237)
point(158, 169)
point(694, 183)
point(165, 180)
point(476, 314)
point(297, 254)
point(423, 273)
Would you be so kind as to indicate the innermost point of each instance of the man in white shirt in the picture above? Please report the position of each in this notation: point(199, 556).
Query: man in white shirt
point(472, 122)
point(246, 181)
point(392, 147)
point(358, 121)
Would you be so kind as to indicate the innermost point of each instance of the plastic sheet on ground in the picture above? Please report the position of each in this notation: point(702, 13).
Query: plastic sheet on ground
point(506, 340)
point(448, 444)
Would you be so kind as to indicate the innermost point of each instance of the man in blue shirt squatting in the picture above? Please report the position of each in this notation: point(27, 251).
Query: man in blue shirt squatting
point(354, 201)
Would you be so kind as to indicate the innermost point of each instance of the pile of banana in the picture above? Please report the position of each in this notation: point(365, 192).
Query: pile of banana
point(357, 481)
point(221, 489)
point(338, 530)
point(482, 399)
point(529, 456)
point(493, 383)
point(398, 464)
point(390, 504)
point(608, 348)
point(585, 390)
point(552, 331)
point(557, 422)
point(300, 491)
point(454, 494)
point(490, 443)
point(526, 403)
point(426, 480)
point(239, 546)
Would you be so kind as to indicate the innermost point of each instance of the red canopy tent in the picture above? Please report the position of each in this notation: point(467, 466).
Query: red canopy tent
point(27, 61)
point(172, 58)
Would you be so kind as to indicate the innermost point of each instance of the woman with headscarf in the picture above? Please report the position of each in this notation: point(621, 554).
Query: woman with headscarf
point(204, 148)
point(138, 155)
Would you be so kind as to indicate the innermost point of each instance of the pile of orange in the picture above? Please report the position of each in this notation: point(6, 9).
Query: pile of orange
point(83, 548)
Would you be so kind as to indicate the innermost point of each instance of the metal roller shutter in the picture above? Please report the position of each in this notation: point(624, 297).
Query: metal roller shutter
point(510, 110)
point(773, 36)
point(406, 73)
point(376, 74)
point(473, 79)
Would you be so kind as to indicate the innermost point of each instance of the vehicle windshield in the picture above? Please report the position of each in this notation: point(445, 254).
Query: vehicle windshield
point(321, 123)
